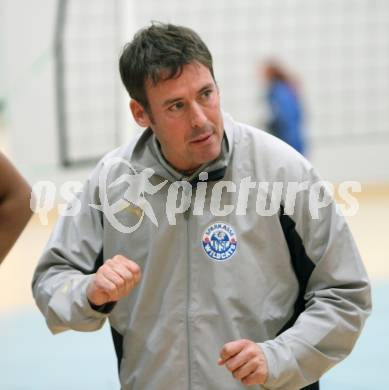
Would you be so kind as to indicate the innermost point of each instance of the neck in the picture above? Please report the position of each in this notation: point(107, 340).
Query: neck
point(187, 172)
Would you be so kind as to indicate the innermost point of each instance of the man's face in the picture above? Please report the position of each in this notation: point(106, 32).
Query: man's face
point(186, 118)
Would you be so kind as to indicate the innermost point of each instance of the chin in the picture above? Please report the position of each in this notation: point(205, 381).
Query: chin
point(211, 155)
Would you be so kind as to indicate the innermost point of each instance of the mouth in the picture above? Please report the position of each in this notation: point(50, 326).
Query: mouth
point(202, 138)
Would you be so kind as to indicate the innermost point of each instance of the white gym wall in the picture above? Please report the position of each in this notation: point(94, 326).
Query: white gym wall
point(338, 50)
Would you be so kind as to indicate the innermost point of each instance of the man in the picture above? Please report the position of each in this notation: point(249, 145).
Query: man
point(200, 292)
point(14, 205)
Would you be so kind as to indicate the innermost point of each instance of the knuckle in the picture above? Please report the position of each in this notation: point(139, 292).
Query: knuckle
point(124, 259)
point(237, 374)
point(108, 264)
point(120, 284)
point(248, 381)
point(111, 289)
point(119, 259)
point(129, 281)
point(252, 353)
point(262, 372)
point(99, 285)
point(135, 269)
point(233, 365)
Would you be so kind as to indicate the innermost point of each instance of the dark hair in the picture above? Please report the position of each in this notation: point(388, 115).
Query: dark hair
point(276, 72)
point(159, 52)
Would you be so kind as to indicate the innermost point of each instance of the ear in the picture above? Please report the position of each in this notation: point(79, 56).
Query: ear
point(139, 113)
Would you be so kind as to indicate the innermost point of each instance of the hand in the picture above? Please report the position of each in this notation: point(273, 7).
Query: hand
point(113, 280)
point(246, 361)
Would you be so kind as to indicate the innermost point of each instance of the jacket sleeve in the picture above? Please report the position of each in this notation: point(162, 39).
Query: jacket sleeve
point(71, 257)
point(336, 297)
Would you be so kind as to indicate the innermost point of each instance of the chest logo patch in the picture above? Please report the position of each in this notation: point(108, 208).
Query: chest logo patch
point(219, 241)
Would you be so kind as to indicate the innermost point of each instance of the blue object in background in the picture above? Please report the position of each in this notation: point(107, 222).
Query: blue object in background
point(286, 110)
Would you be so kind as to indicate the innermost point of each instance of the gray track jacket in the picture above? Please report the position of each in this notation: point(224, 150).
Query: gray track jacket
point(213, 274)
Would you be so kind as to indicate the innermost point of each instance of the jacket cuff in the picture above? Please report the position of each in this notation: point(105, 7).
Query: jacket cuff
point(271, 363)
point(280, 370)
point(92, 310)
point(105, 309)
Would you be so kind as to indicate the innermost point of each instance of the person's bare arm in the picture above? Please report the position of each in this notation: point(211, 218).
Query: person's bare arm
point(15, 208)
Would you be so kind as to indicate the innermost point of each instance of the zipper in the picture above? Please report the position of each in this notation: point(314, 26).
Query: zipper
point(188, 297)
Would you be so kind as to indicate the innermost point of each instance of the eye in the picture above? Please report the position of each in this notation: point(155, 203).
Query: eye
point(207, 93)
point(176, 106)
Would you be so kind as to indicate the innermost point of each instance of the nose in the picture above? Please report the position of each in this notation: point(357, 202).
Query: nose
point(197, 116)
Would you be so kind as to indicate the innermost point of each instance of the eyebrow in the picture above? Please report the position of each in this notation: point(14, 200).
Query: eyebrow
point(168, 102)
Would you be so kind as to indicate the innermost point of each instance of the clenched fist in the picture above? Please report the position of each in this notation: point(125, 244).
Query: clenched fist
point(113, 280)
point(246, 361)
